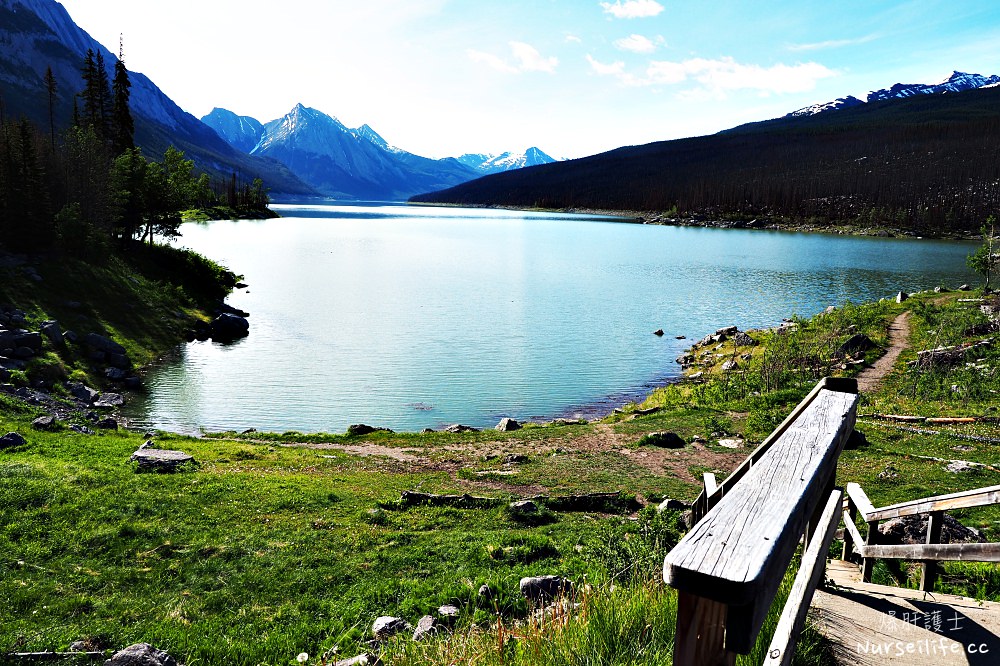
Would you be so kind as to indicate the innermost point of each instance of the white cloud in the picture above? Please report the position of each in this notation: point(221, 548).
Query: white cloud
point(526, 57)
point(573, 39)
point(636, 44)
point(632, 8)
point(832, 44)
point(616, 68)
point(715, 78)
point(493, 61)
point(531, 60)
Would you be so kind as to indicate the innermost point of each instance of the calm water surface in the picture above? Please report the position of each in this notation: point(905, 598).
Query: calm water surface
point(413, 317)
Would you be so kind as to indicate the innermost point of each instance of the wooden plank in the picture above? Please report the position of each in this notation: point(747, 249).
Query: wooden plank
point(701, 633)
point(860, 500)
point(710, 484)
point(961, 500)
point(868, 562)
point(810, 573)
point(738, 553)
point(851, 530)
point(946, 552)
point(928, 573)
point(701, 505)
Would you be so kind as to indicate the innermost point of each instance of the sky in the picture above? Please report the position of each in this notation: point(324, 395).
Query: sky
point(573, 77)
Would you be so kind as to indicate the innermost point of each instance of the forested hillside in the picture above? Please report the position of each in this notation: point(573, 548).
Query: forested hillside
point(927, 164)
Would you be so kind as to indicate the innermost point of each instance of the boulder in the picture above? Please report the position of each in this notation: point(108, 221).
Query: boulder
point(730, 366)
point(228, 327)
point(486, 592)
point(449, 613)
point(18, 337)
point(11, 440)
point(515, 459)
point(544, 588)
point(658, 333)
point(109, 400)
point(459, 428)
point(160, 460)
point(522, 507)
point(508, 424)
point(668, 440)
point(120, 361)
point(44, 423)
point(103, 344)
point(913, 530)
point(426, 626)
point(672, 505)
point(83, 430)
point(727, 331)
point(115, 374)
point(359, 429)
point(82, 392)
point(23, 353)
point(52, 331)
point(107, 424)
point(901, 296)
point(387, 626)
point(859, 342)
point(141, 654)
point(360, 660)
point(744, 340)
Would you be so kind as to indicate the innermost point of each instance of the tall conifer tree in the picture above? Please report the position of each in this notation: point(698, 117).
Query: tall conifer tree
point(123, 127)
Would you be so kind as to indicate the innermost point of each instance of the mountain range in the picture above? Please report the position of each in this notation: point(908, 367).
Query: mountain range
point(355, 163)
point(37, 34)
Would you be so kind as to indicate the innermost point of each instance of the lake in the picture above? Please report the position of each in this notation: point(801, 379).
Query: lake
point(411, 317)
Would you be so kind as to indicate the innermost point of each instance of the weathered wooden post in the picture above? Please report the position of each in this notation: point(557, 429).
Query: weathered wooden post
point(929, 570)
point(728, 568)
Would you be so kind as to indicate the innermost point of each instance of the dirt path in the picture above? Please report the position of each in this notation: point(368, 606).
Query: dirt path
point(899, 337)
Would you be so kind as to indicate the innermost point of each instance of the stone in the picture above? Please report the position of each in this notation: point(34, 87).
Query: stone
point(426, 626)
point(964, 287)
point(360, 660)
point(115, 374)
point(744, 340)
point(109, 400)
point(387, 626)
point(486, 592)
point(507, 424)
point(859, 342)
point(958, 466)
point(103, 344)
point(52, 331)
point(141, 654)
point(160, 460)
point(668, 440)
point(830, 309)
point(449, 612)
point(44, 423)
point(901, 296)
point(23, 353)
point(913, 530)
point(731, 443)
point(730, 366)
point(515, 459)
point(359, 429)
point(459, 428)
point(11, 440)
point(107, 424)
point(228, 327)
point(120, 361)
point(71, 337)
point(672, 505)
point(522, 507)
point(82, 392)
point(544, 588)
point(83, 430)
point(727, 331)
point(658, 333)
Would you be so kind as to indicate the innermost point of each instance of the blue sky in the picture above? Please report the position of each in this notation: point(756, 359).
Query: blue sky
point(574, 77)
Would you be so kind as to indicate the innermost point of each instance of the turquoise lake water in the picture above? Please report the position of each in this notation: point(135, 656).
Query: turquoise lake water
point(413, 317)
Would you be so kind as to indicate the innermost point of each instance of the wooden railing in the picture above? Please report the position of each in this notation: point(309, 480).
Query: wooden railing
point(728, 568)
point(932, 551)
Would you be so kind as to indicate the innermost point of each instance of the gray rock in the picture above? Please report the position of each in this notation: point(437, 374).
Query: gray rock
point(12, 439)
point(44, 423)
point(141, 654)
point(107, 424)
point(544, 588)
point(515, 459)
point(120, 361)
point(913, 530)
point(668, 440)
point(71, 336)
point(426, 626)
point(359, 429)
point(79, 646)
point(115, 374)
point(360, 660)
point(672, 505)
point(104, 344)
point(508, 424)
point(459, 428)
point(744, 340)
point(901, 296)
point(387, 626)
point(23, 353)
point(658, 333)
point(964, 287)
point(160, 460)
point(730, 366)
point(53, 332)
point(523, 507)
point(958, 466)
point(19, 337)
point(109, 400)
point(728, 331)
point(449, 612)
point(82, 392)
point(228, 327)
point(486, 592)
point(83, 430)
point(859, 342)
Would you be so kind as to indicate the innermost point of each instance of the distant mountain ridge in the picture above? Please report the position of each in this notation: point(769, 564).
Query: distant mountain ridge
point(37, 34)
point(355, 162)
point(957, 82)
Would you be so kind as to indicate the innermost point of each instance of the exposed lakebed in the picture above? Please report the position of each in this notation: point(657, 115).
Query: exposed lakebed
point(412, 317)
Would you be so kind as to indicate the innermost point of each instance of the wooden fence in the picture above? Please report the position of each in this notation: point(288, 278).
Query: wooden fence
point(745, 532)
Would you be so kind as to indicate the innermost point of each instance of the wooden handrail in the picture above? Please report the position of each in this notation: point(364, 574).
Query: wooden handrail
point(961, 500)
point(728, 568)
point(861, 501)
point(941, 552)
point(706, 500)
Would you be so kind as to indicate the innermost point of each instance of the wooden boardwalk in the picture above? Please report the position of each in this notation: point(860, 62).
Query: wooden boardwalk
point(875, 625)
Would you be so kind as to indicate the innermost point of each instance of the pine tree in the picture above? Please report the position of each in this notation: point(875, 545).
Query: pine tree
point(50, 87)
point(123, 137)
point(97, 104)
